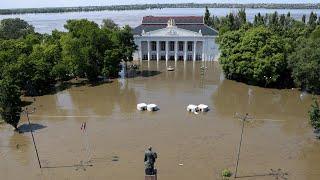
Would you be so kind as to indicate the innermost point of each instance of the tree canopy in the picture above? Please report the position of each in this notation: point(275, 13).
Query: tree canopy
point(272, 51)
point(32, 63)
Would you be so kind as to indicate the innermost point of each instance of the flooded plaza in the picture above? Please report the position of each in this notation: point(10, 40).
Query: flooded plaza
point(278, 136)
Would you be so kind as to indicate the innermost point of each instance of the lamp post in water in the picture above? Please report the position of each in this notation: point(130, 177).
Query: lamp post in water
point(27, 112)
point(244, 119)
point(267, 80)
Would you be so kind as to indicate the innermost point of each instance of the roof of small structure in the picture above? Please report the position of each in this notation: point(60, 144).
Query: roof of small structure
point(177, 19)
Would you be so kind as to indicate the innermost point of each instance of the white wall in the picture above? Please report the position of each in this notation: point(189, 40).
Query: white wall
point(210, 47)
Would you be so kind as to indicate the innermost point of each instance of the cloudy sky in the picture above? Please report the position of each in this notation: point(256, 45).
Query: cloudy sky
point(59, 3)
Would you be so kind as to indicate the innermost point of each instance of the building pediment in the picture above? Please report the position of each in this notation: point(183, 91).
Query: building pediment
point(171, 31)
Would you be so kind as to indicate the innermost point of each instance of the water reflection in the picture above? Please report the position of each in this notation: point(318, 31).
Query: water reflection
point(234, 97)
point(279, 136)
point(20, 145)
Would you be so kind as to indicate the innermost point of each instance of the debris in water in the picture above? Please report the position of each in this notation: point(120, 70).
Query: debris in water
point(192, 108)
point(152, 107)
point(142, 106)
point(203, 107)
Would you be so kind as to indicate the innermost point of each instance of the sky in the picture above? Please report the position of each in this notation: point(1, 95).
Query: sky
point(6, 4)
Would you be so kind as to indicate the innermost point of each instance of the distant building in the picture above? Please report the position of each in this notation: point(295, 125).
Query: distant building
point(175, 38)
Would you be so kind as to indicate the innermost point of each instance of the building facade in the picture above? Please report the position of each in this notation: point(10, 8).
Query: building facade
point(184, 38)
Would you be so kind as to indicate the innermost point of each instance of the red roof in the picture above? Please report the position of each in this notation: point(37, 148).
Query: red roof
point(177, 19)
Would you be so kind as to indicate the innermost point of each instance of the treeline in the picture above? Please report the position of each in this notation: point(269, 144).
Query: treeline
point(159, 6)
point(274, 50)
point(32, 63)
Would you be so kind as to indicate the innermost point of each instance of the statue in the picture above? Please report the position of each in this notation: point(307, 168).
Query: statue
point(149, 160)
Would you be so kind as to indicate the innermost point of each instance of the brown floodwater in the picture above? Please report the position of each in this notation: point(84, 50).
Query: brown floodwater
point(278, 136)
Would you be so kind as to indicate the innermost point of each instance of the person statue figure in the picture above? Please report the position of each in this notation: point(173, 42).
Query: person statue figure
point(149, 160)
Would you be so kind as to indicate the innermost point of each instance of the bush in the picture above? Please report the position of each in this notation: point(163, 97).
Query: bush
point(226, 173)
point(10, 102)
point(314, 114)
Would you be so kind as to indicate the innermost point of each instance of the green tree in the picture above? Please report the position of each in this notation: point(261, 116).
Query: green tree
point(305, 64)
point(255, 56)
point(126, 43)
point(303, 19)
point(312, 20)
point(242, 16)
point(111, 65)
point(109, 23)
point(83, 48)
point(314, 114)
point(10, 102)
point(15, 28)
point(207, 17)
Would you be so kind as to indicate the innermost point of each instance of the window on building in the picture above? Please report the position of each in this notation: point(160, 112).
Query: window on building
point(190, 46)
point(171, 58)
point(163, 45)
point(145, 57)
point(181, 44)
point(153, 57)
point(163, 57)
point(153, 46)
point(199, 57)
point(189, 57)
point(171, 45)
point(180, 58)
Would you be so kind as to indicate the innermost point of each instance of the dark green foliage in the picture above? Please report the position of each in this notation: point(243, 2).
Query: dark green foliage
point(231, 22)
point(303, 19)
point(86, 49)
point(305, 64)
point(272, 51)
point(255, 56)
point(109, 24)
point(10, 103)
point(15, 28)
point(312, 20)
point(314, 114)
point(36, 61)
point(207, 19)
point(31, 63)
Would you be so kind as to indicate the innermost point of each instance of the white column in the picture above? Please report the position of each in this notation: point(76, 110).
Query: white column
point(167, 50)
point(203, 51)
point(185, 48)
point(194, 50)
point(149, 53)
point(158, 50)
point(140, 51)
point(176, 50)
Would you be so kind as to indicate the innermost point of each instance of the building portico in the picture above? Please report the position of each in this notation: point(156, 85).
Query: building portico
point(172, 42)
point(171, 50)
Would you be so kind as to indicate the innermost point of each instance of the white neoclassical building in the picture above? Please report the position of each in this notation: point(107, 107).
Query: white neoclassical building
point(175, 38)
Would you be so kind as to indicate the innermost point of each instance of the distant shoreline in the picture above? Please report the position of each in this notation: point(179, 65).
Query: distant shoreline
point(157, 6)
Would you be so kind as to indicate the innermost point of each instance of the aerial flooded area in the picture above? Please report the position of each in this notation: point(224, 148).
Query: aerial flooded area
point(190, 146)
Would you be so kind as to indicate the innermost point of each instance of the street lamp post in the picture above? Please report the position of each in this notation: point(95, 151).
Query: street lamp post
point(31, 131)
point(267, 80)
point(244, 119)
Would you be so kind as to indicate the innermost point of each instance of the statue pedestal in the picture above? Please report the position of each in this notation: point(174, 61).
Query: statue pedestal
point(150, 177)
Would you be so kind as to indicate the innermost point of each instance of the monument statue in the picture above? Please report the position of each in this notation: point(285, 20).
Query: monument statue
point(149, 160)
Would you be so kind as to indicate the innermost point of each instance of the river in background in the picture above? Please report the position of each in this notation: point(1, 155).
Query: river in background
point(189, 146)
point(45, 23)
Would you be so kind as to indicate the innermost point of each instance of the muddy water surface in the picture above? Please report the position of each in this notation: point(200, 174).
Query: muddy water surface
point(278, 136)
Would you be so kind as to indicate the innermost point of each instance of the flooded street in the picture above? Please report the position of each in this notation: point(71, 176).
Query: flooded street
point(278, 136)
